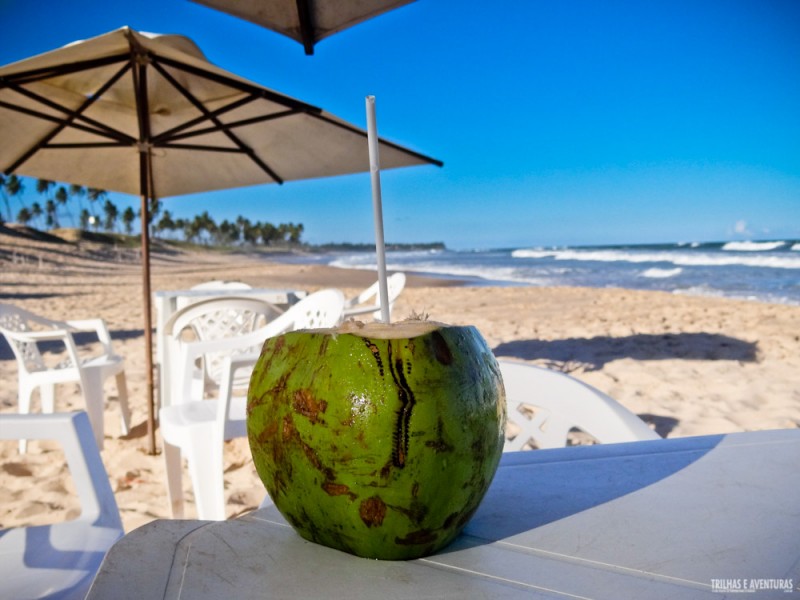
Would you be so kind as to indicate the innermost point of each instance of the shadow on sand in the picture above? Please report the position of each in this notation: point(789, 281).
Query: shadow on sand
point(594, 353)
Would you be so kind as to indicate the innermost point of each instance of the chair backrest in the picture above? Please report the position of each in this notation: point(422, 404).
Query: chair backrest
point(395, 284)
point(544, 406)
point(317, 310)
point(218, 318)
point(61, 560)
point(223, 316)
point(20, 328)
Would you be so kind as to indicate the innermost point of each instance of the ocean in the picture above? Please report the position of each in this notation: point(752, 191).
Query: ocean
point(764, 271)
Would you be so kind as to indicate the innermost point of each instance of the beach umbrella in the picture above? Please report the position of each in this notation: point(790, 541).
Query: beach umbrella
point(306, 21)
point(148, 115)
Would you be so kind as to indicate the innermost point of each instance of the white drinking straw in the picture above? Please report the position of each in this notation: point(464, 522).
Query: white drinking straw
point(377, 208)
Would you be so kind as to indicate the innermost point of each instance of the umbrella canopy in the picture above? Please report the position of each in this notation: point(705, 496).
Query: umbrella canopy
point(85, 114)
point(306, 21)
point(149, 115)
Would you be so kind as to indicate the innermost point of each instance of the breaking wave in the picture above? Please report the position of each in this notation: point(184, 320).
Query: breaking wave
point(753, 246)
point(674, 257)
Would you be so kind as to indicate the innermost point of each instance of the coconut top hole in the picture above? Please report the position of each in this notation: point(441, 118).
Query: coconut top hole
point(375, 329)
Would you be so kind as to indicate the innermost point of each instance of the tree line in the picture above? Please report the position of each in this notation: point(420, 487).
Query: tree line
point(97, 212)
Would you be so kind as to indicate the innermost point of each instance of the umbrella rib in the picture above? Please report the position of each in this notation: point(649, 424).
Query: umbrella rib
point(70, 117)
point(234, 124)
point(192, 122)
point(241, 86)
point(62, 145)
point(358, 131)
point(202, 148)
point(41, 73)
point(305, 19)
point(51, 118)
point(99, 128)
point(199, 106)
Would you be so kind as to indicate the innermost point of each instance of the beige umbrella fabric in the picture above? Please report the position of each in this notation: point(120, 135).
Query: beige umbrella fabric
point(306, 21)
point(149, 115)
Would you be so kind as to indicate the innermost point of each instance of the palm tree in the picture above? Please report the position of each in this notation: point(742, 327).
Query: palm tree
point(36, 211)
point(94, 195)
point(242, 223)
point(111, 212)
point(5, 195)
point(227, 233)
point(191, 229)
point(78, 191)
point(251, 233)
point(128, 217)
point(269, 233)
point(24, 215)
point(12, 187)
point(154, 209)
point(43, 186)
point(283, 231)
point(62, 198)
point(85, 219)
point(51, 214)
point(165, 223)
point(201, 223)
point(298, 232)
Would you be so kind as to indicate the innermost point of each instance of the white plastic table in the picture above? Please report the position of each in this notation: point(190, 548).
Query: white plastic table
point(167, 302)
point(679, 518)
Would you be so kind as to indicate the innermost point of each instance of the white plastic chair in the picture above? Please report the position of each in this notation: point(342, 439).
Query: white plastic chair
point(197, 428)
point(213, 319)
point(544, 405)
point(220, 284)
point(206, 290)
point(61, 560)
point(356, 306)
point(25, 330)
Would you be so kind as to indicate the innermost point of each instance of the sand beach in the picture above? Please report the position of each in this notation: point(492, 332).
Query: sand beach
point(688, 365)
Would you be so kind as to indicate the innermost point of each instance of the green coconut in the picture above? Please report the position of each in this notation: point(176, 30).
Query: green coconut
point(379, 440)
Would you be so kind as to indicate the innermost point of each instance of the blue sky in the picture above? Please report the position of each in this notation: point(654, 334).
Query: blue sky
point(559, 121)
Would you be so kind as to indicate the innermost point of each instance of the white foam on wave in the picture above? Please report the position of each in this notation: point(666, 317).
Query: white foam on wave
point(507, 274)
point(752, 246)
point(348, 263)
point(796, 247)
point(656, 273)
point(679, 258)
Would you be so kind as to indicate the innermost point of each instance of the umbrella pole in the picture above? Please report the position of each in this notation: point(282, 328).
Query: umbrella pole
point(377, 206)
point(148, 326)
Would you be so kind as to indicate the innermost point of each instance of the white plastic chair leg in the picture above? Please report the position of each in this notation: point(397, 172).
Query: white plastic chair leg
point(205, 469)
point(172, 462)
point(124, 409)
point(24, 397)
point(93, 395)
point(47, 393)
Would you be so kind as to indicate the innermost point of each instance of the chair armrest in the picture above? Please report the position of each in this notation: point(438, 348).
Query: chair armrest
point(365, 295)
point(240, 361)
point(230, 365)
point(60, 335)
point(361, 310)
point(96, 325)
point(38, 336)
